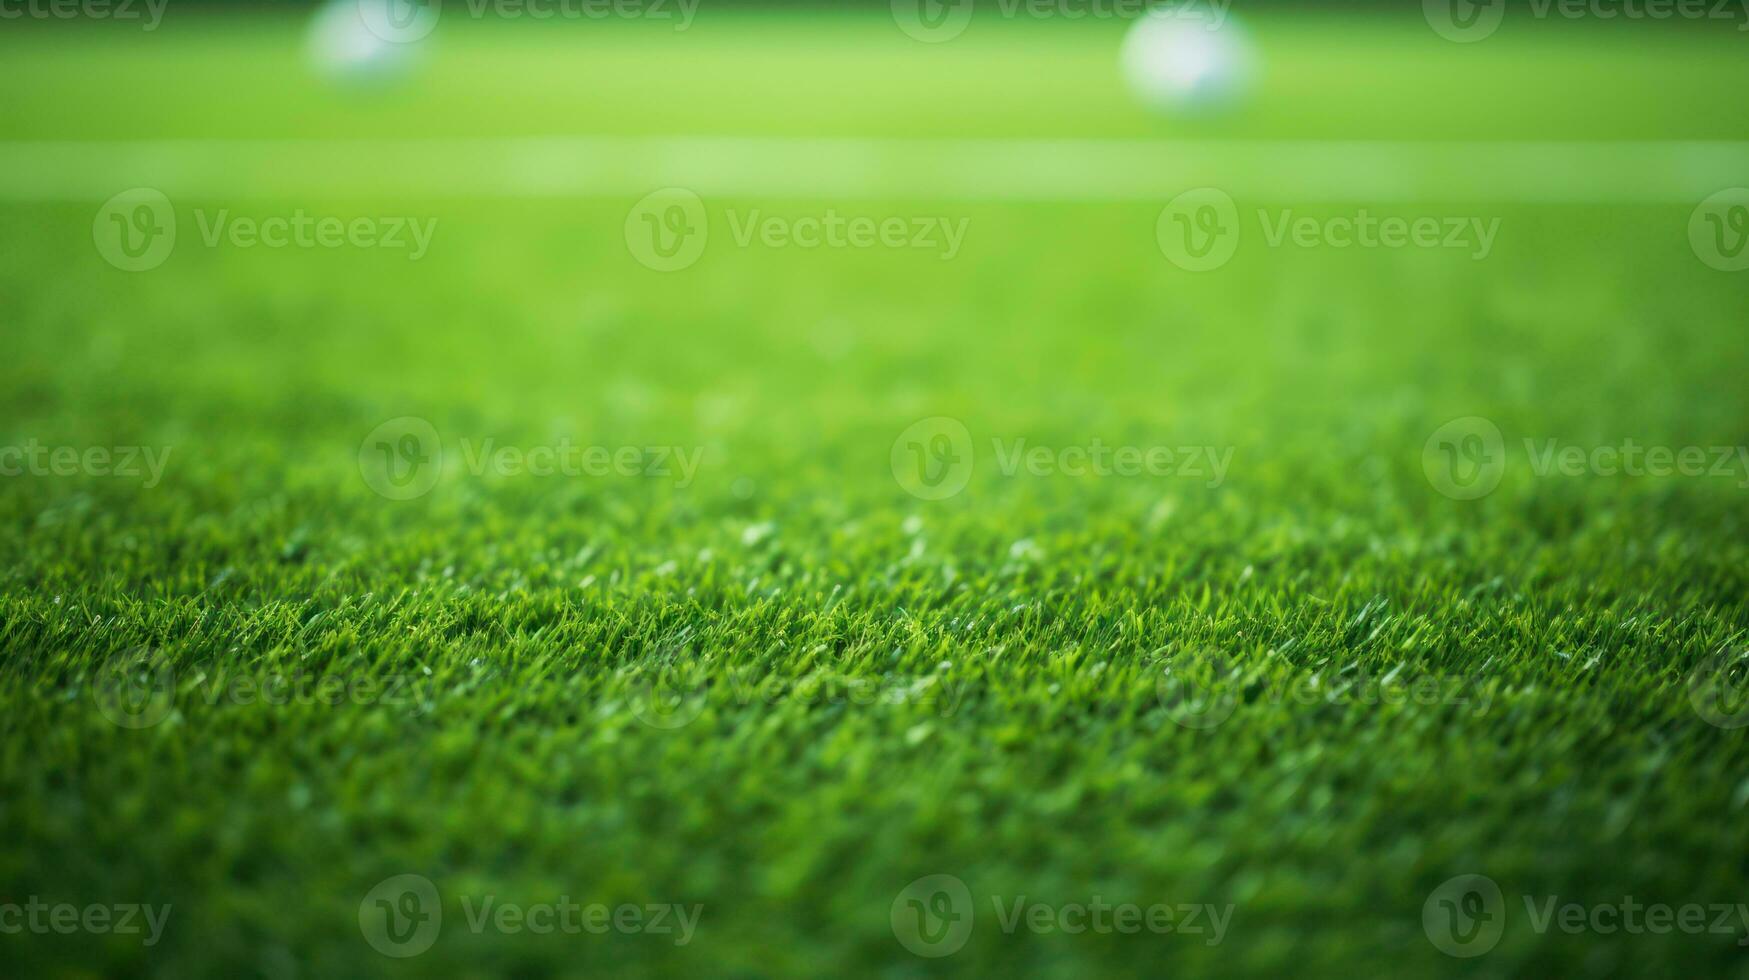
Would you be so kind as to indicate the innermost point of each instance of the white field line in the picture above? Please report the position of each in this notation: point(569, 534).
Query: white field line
point(968, 170)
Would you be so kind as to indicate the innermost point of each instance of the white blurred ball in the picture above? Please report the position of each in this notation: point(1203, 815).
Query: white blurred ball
point(343, 47)
point(1188, 61)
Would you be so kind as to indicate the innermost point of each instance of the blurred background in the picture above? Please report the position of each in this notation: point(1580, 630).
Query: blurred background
point(267, 240)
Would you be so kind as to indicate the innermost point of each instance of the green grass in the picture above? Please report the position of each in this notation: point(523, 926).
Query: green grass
point(1032, 623)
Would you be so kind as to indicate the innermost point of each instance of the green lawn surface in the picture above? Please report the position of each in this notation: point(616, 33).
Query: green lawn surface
point(1027, 635)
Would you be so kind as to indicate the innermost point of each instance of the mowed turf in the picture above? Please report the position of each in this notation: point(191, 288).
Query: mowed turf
point(1024, 640)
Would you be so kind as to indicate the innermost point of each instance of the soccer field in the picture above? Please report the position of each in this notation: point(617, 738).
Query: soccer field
point(783, 498)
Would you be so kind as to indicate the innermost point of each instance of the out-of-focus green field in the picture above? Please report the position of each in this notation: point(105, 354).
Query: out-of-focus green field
point(1026, 636)
point(738, 72)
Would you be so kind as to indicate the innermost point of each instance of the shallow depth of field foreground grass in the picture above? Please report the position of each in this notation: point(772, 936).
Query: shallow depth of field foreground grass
point(752, 677)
